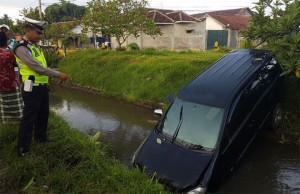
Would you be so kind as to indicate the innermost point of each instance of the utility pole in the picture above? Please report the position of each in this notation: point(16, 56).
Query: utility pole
point(40, 9)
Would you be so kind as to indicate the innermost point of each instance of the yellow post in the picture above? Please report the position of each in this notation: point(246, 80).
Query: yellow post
point(216, 45)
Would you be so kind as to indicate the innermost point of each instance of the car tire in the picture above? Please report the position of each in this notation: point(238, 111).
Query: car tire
point(276, 116)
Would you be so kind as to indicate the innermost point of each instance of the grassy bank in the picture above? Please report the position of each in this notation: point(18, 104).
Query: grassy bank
point(70, 162)
point(142, 76)
point(148, 77)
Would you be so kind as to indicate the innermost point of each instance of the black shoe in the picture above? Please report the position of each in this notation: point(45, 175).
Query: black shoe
point(23, 152)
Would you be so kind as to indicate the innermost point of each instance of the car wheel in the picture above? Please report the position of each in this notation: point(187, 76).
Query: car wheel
point(276, 117)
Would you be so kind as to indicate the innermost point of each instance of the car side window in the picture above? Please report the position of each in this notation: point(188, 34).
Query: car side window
point(238, 114)
point(258, 86)
point(244, 104)
point(248, 98)
point(263, 80)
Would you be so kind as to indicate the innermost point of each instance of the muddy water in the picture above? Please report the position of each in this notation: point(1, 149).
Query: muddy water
point(268, 168)
point(122, 126)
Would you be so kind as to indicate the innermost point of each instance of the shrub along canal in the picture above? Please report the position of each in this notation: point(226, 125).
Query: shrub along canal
point(268, 168)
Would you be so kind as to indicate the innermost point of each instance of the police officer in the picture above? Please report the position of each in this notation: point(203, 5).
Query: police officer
point(34, 71)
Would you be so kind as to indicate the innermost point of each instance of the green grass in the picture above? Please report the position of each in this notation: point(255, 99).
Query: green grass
point(149, 76)
point(137, 76)
point(71, 162)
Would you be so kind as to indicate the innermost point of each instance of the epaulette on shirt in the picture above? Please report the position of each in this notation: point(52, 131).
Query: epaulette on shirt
point(23, 42)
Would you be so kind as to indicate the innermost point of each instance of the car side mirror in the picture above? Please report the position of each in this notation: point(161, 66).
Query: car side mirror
point(158, 112)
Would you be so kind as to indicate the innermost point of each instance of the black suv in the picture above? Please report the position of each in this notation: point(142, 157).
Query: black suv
point(208, 127)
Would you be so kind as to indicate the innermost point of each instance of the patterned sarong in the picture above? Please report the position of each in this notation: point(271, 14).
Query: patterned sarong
point(11, 106)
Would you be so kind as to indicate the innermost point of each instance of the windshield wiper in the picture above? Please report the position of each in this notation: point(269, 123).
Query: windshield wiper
point(179, 125)
point(160, 124)
point(195, 147)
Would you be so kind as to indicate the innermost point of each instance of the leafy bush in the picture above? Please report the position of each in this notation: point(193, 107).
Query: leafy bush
point(280, 32)
point(51, 57)
point(247, 44)
point(134, 46)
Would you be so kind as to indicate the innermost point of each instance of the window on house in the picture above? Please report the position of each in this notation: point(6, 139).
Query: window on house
point(189, 30)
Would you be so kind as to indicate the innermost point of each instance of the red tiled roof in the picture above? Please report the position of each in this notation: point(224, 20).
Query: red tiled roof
point(159, 18)
point(231, 19)
point(231, 12)
point(232, 22)
point(199, 15)
point(235, 19)
point(228, 12)
point(180, 16)
point(164, 16)
point(164, 11)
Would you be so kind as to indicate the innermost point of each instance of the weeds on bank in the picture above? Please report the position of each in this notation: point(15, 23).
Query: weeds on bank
point(71, 162)
point(137, 76)
point(151, 75)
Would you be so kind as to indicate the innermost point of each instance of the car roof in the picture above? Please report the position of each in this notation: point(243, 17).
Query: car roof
point(224, 78)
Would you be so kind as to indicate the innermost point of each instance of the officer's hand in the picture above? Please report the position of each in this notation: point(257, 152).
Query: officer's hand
point(63, 77)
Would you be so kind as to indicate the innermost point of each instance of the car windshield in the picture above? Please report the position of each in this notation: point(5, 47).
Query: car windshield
point(194, 125)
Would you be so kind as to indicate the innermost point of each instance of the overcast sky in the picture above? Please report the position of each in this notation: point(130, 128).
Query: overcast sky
point(12, 7)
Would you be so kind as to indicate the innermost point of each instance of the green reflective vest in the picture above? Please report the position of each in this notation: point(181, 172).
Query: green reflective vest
point(25, 71)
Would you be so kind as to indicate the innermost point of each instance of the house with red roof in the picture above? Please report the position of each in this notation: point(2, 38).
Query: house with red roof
point(225, 26)
point(181, 31)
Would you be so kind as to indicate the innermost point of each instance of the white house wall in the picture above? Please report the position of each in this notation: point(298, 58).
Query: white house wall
point(212, 24)
point(77, 29)
point(174, 37)
point(233, 35)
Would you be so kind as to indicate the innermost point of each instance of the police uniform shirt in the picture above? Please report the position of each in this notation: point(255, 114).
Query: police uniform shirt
point(25, 55)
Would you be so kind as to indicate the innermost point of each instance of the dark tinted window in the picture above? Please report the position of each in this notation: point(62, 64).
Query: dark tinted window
point(238, 113)
point(263, 80)
point(251, 95)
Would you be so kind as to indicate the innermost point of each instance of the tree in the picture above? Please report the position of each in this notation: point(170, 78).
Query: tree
point(6, 20)
point(65, 11)
point(279, 31)
point(120, 19)
point(32, 13)
point(57, 31)
point(19, 27)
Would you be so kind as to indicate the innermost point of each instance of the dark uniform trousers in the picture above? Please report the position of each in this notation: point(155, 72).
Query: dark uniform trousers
point(35, 117)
